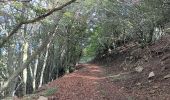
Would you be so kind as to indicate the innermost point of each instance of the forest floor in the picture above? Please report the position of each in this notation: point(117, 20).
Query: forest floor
point(130, 74)
point(88, 83)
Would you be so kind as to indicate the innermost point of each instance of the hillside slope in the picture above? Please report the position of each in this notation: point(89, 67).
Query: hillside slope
point(131, 73)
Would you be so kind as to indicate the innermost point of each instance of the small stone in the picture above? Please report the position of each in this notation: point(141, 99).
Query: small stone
point(146, 58)
point(138, 84)
point(42, 98)
point(131, 57)
point(167, 76)
point(151, 75)
point(124, 68)
point(139, 69)
point(155, 87)
point(152, 91)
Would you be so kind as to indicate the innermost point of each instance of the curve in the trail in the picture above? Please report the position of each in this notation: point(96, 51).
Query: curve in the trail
point(88, 83)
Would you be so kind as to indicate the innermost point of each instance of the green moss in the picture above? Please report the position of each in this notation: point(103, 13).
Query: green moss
point(50, 91)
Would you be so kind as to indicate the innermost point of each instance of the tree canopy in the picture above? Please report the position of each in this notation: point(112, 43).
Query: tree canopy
point(40, 40)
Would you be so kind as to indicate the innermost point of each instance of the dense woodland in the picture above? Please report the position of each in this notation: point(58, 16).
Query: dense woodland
point(41, 40)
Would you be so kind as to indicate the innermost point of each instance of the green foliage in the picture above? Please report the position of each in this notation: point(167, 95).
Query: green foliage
point(69, 14)
point(39, 10)
point(18, 5)
point(50, 91)
point(94, 43)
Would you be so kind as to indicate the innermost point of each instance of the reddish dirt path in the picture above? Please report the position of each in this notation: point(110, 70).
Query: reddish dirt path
point(88, 83)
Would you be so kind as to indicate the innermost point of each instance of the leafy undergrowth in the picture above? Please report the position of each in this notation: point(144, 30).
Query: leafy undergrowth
point(125, 75)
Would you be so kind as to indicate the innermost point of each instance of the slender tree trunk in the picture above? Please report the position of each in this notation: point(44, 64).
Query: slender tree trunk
point(29, 87)
point(35, 73)
point(44, 65)
point(10, 71)
point(25, 56)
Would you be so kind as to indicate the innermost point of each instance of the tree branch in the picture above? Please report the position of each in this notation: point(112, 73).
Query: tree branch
point(32, 21)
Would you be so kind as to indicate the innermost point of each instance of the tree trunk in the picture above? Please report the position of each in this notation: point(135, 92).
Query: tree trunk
point(25, 56)
point(44, 65)
point(35, 73)
point(27, 62)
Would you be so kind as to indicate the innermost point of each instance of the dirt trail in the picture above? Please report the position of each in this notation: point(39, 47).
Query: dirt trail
point(88, 83)
point(94, 82)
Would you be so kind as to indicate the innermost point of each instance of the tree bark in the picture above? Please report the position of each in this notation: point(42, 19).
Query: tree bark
point(44, 65)
point(35, 73)
point(25, 56)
